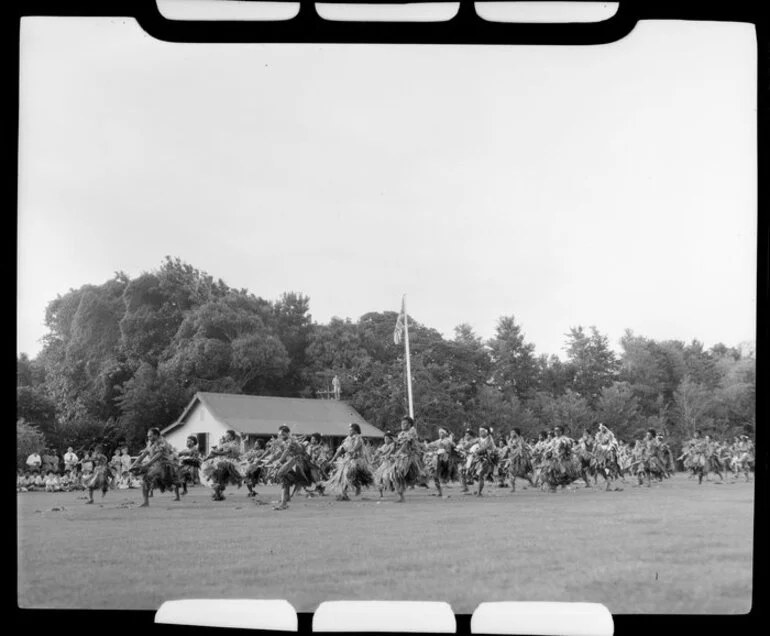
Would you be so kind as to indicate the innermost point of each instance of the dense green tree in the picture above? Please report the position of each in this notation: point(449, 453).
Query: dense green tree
point(618, 409)
point(514, 368)
point(592, 363)
point(35, 407)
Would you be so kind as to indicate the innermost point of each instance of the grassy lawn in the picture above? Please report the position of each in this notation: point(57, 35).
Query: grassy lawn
point(674, 548)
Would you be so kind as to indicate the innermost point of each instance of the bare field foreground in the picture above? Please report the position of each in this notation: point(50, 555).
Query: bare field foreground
point(676, 547)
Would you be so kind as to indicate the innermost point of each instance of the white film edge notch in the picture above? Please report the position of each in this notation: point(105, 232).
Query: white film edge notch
point(384, 616)
point(543, 619)
point(235, 613)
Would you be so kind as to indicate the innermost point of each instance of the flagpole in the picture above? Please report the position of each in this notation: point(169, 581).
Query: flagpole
point(408, 365)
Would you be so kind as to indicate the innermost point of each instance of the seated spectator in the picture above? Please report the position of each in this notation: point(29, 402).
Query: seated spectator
point(124, 482)
point(52, 482)
point(34, 462)
point(70, 460)
point(134, 481)
point(64, 482)
point(38, 483)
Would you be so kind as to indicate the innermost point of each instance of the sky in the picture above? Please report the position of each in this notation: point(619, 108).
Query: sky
point(610, 185)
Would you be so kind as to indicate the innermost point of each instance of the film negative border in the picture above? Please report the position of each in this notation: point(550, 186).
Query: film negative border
point(465, 28)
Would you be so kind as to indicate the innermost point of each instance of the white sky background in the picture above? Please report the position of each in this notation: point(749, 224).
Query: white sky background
point(612, 185)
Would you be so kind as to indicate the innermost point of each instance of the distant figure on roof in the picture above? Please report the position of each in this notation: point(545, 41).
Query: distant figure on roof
point(336, 387)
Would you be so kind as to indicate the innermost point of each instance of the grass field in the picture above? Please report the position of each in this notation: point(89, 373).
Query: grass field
point(674, 548)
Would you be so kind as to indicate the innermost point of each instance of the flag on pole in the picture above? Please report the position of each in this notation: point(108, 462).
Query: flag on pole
point(399, 324)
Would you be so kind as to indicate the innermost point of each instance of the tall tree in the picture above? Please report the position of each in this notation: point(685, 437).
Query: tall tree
point(592, 361)
point(514, 368)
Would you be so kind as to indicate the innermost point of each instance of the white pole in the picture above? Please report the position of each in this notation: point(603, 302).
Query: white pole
point(408, 365)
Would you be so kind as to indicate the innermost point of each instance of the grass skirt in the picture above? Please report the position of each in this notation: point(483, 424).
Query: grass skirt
point(161, 475)
point(188, 469)
point(482, 465)
point(99, 479)
point(560, 472)
point(298, 471)
point(519, 465)
point(350, 473)
point(221, 472)
point(695, 462)
point(408, 469)
point(253, 473)
point(605, 462)
point(652, 466)
point(385, 476)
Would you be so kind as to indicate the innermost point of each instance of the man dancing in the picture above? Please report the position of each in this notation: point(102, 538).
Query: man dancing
point(219, 466)
point(519, 459)
point(189, 462)
point(483, 459)
point(444, 460)
point(155, 464)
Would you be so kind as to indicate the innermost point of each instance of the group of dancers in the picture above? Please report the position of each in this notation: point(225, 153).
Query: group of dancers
point(404, 461)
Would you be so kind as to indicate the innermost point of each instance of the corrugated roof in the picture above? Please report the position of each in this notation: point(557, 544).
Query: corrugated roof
point(260, 415)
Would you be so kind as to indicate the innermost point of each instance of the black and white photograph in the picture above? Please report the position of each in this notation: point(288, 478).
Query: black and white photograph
point(386, 321)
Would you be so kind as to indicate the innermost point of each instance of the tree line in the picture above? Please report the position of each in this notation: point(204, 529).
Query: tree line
point(129, 354)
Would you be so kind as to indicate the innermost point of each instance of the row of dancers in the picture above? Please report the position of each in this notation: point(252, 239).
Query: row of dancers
point(404, 461)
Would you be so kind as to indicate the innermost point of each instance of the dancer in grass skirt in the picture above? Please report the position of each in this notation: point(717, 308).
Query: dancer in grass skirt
point(560, 465)
point(189, 463)
point(404, 466)
point(464, 449)
point(742, 456)
point(649, 461)
point(353, 470)
point(220, 466)
point(584, 448)
point(694, 455)
point(443, 467)
point(519, 459)
point(713, 463)
point(606, 456)
point(384, 475)
point(538, 458)
point(483, 459)
point(666, 456)
point(501, 470)
point(101, 477)
point(321, 456)
point(252, 467)
point(156, 466)
point(407, 461)
point(293, 468)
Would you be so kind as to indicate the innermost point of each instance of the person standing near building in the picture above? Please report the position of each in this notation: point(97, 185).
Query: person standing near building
point(34, 462)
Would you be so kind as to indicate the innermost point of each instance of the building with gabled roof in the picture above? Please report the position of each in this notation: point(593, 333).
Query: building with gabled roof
point(209, 415)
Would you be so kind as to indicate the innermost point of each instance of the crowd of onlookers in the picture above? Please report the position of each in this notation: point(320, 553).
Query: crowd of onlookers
point(52, 472)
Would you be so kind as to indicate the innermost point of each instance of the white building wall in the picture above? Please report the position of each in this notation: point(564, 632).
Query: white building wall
point(199, 420)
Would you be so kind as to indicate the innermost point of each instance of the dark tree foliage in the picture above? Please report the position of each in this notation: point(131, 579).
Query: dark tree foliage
point(130, 353)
